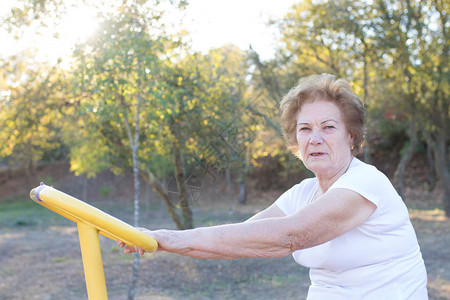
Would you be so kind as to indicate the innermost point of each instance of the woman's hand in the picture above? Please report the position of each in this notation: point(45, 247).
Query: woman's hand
point(175, 241)
point(156, 234)
point(130, 249)
point(168, 240)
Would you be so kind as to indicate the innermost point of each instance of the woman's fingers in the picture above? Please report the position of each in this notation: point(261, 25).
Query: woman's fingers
point(130, 249)
point(133, 249)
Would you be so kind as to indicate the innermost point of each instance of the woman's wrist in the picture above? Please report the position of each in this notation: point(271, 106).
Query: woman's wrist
point(174, 241)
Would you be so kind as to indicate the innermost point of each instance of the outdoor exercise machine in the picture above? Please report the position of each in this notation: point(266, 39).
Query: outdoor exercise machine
point(90, 222)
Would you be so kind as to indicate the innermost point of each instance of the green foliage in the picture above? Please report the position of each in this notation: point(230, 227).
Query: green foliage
point(48, 180)
point(30, 116)
point(104, 190)
point(393, 52)
point(214, 108)
point(112, 68)
point(89, 156)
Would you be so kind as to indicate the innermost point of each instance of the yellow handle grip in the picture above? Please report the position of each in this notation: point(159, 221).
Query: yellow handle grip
point(81, 212)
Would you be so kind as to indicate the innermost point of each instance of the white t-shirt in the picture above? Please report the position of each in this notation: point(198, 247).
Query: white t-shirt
point(377, 260)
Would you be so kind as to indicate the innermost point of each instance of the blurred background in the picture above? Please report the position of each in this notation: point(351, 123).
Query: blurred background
point(165, 114)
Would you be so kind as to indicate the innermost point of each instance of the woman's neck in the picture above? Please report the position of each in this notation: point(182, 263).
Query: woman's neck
point(326, 180)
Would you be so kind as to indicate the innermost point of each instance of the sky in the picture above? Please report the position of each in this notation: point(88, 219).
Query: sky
point(211, 23)
point(214, 23)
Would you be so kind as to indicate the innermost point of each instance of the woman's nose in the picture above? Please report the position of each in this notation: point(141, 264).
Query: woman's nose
point(316, 139)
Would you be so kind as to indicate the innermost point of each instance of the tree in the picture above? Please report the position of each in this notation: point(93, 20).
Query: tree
point(414, 38)
point(334, 37)
point(116, 72)
point(188, 99)
point(30, 114)
point(201, 96)
point(394, 53)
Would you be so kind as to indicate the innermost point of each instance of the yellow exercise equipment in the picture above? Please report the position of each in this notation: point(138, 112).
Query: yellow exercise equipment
point(90, 222)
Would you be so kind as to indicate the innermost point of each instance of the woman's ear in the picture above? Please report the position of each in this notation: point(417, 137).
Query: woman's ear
point(352, 141)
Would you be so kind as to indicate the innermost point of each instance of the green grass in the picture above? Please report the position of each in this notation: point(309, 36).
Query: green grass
point(59, 259)
point(18, 211)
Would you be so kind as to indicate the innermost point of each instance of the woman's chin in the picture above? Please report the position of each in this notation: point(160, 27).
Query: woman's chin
point(318, 166)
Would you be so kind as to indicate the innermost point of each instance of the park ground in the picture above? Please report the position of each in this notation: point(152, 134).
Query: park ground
point(40, 255)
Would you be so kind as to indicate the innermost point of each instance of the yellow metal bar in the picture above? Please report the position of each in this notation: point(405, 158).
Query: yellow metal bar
point(92, 262)
point(92, 221)
point(79, 211)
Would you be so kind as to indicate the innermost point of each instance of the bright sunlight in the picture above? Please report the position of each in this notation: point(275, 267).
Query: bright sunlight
point(53, 42)
point(80, 22)
point(209, 25)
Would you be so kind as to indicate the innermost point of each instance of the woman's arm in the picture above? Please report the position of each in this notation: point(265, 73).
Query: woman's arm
point(272, 211)
point(331, 215)
point(161, 235)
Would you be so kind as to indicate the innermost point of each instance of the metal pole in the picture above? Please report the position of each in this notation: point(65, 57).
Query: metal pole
point(92, 262)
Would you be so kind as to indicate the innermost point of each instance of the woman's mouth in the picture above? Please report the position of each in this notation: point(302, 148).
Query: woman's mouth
point(316, 154)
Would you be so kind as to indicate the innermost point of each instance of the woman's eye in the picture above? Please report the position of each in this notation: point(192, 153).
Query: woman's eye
point(303, 129)
point(329, 127)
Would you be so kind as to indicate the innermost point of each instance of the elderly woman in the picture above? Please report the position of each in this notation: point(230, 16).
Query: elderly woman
point(347, 224)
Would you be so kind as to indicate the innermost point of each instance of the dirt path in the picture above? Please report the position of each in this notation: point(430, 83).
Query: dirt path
point(433, 233)
point(42, 260)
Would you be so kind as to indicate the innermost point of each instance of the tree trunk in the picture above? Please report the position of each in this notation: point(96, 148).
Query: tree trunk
point(431, 168)
point(147, 195)
point(366, 148)
point(163, 193)
point(134, 145)
point(366, 153)
point(84, 181)
point(229, 195)
point(243, 185)
point(406, 157)
point(137, 196)
point(180, 178)
point(440, 150)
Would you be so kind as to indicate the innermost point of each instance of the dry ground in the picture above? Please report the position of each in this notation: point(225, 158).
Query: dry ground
point(40, 255)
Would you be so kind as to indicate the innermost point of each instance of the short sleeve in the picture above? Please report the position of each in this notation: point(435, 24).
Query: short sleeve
point(296, 197)
point(284, 202)
point(367, 181)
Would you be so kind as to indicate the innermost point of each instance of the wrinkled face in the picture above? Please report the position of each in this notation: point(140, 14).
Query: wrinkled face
point(323, 139)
